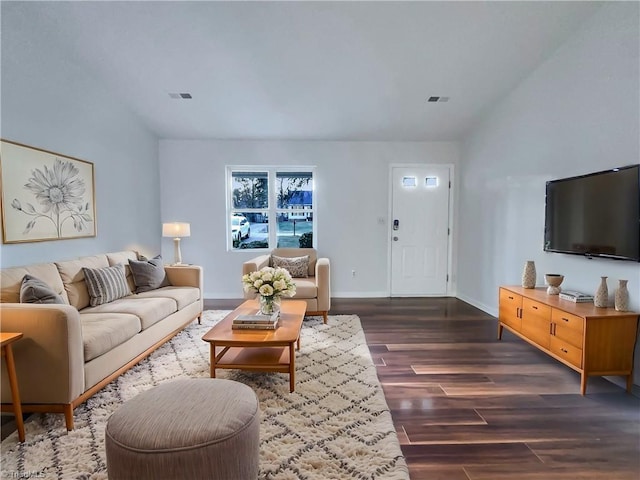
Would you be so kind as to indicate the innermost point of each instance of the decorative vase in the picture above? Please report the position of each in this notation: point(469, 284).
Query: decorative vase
point(270, 305)
point(601, 298)
point(553, 280)
point(529, 275)
point(622, 297)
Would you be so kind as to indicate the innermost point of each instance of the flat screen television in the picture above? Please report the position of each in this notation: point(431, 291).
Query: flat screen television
point(595, 215)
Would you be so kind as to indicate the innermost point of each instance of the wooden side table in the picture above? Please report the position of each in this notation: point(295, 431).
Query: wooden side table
point(7, 352)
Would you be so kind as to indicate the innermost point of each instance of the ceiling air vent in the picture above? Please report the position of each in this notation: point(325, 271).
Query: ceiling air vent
point(437, 99)
point(180, 95)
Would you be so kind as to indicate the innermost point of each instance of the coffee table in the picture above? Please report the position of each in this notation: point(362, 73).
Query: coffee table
point(258, 350)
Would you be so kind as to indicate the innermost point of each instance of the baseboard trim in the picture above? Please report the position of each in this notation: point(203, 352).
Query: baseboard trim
point(485, 308)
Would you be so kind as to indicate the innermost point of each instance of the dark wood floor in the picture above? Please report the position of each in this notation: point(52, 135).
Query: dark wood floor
point(469, 407)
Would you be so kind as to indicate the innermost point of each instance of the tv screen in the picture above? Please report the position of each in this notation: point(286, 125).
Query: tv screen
point(596, 215)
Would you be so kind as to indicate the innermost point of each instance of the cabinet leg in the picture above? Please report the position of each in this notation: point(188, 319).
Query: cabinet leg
point(583, 383)
point(629, 382)
point(499, 331)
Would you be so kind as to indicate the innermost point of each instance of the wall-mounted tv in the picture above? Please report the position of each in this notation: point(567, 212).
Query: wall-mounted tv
point(595, 215)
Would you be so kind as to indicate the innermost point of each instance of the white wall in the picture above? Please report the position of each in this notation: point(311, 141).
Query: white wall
point(50, 103)
point(352, 185)
point(577, 113)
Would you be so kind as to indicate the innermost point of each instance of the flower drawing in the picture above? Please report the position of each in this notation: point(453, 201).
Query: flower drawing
point(60, 193)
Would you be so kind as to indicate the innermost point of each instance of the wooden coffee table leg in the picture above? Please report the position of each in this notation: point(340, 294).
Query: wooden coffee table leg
point(292, 368)
point(212, 360)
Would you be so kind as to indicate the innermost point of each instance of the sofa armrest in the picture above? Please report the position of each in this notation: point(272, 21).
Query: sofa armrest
point(186, 276)
point(323, 282)
point(255, 264)
point(49, 357)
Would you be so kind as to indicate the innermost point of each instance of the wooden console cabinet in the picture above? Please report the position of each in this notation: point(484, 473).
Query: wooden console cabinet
point(591, 340)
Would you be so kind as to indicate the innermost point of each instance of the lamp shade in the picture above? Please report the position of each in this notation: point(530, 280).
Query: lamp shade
point(176, 230)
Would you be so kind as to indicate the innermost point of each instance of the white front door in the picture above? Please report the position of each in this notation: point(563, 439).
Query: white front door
point(420, 230)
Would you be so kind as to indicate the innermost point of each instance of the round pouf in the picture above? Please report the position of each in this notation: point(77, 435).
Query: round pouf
point(201, 428)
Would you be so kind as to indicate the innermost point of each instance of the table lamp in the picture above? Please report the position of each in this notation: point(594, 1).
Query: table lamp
point(177, 231)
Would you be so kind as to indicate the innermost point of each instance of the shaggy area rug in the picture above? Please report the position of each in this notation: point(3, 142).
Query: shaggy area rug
point(336, 425)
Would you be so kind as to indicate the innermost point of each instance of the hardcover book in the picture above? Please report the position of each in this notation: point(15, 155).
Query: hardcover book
point(255, 326)
point(576, 297)
point(256, 319)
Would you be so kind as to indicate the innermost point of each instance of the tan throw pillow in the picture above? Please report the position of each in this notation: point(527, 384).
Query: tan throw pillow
point(298, 267)
point(105, 284)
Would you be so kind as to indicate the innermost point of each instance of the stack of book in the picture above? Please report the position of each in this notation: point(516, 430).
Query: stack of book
point(256, 322)
point(576, 297)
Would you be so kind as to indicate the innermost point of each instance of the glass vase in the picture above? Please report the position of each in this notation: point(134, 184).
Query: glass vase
point(269, 305)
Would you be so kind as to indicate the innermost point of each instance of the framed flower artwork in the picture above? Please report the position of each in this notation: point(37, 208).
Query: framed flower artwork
point(45, 195)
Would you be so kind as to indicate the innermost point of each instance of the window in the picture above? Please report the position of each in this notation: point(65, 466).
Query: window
point(269, 207)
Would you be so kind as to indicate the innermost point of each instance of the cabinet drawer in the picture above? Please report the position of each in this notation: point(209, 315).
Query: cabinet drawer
point(566, 351)
point(567, 320)
point(535, 310)
point(536, 321)
point(509, 309)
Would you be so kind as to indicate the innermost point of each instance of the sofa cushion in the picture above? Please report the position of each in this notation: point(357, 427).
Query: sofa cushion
point(148, 310)
point(73, 278)
point(106, 284)
point(182, 295)
point(148, 274)
point(298, 267)
point(34, 290)
point(101, 332)
point(305, 288)
point(11, 280)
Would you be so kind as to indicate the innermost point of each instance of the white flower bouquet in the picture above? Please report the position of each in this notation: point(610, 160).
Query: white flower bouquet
point(271, 284)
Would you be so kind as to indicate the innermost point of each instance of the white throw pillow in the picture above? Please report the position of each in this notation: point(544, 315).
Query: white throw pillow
point(298, 267)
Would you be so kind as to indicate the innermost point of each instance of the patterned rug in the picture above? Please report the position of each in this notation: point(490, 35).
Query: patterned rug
point(336, 425)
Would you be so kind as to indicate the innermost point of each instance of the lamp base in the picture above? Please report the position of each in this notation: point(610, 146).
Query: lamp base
point(176, 251)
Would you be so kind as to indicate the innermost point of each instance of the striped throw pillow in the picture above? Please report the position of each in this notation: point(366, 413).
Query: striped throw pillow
point(106, 284)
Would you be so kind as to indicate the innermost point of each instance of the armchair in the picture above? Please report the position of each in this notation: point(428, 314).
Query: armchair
point(315, 288)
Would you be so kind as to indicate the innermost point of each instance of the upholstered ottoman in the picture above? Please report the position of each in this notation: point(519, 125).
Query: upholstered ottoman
point(200, 428)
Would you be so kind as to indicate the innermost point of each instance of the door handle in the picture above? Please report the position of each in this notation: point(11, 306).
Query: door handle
point(396, 224)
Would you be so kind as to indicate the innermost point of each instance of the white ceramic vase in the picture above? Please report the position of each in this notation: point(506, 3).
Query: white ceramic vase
point(622, 296)
point(601, 298)
point(529, 274)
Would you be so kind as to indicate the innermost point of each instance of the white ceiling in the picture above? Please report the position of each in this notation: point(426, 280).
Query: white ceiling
point(305, 70)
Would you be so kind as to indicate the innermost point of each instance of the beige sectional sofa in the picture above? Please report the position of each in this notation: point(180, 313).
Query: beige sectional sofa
point(70, 351)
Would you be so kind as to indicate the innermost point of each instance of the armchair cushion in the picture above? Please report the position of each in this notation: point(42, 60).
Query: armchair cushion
point(298, 267)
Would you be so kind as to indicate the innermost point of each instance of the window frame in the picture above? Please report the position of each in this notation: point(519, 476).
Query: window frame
point(272, 210)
